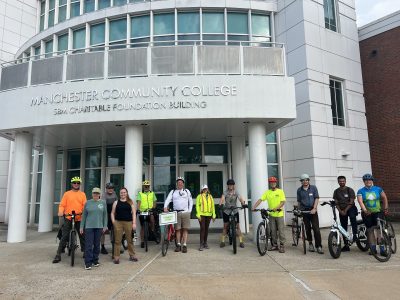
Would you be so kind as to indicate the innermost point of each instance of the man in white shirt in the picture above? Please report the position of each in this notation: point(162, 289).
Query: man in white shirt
point(183, 203)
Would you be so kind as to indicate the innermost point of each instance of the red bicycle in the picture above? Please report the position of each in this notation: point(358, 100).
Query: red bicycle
point(168, 234)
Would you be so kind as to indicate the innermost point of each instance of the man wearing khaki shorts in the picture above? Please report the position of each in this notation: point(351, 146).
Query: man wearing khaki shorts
point(183, 203)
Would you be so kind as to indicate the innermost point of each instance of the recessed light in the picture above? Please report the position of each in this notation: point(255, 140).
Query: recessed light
point(118, 125)
point(271, 122)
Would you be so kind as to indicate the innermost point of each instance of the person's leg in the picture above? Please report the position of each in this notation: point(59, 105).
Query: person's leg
point(185, 230)
point(127, 225)
point(178, 232)
point(96, 244)
point(352, 213)
point(238, 231)
point(81, 238)
point(344, 224)
point(141, 220)
point(307, 224)
point(118, 230)
point(202, 222)
point(89, 239)
point(225, 219)
point(317, 232)
point(65, 237)
point(152, 223)
point(207, 225)
point(274, 233)
point(281, 231)
point(103, 238)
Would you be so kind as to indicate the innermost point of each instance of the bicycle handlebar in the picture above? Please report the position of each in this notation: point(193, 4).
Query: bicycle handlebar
point(269, 210)
point(70, 215)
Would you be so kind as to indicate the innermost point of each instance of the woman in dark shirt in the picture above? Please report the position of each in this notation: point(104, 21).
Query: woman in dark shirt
point(123, 217)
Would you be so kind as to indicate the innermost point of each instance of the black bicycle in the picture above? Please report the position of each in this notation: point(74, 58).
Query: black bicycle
point(298, 228)
point(72, 244)
point(264, 231)
point(146, 215)
point(232, 226)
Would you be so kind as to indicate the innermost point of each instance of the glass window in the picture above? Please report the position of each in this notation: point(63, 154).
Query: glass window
point(48, 48)
point(74, 159)
point(216, 153)
point(260, 25)
point(62, 10)
point(104, 3)
point(271, 137)
point(188, 22)
point(330, 14)
point(273, 171)
point(337, 104)
point(119, 2)
point(52, 9)
point(89, 5)
point(40, 163)
point(118, 32)
point(237, 23)
point(93, 158)
point(115, 157)
point(97, 34)
point(37, 212)
point(164, 24)
point(37, 52)
point(63, 42)
point(146, 155)
point(75, 8)
point(213, 22)
point(140, 30)
point(272, 155)
point(92, 180)
point(164, 154)
point(164, 179)
point(59, 161)
point(190, 153)
point(79, 37)
point(42, 13)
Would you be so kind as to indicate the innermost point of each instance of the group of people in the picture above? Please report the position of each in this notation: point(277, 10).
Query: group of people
point(95, 216)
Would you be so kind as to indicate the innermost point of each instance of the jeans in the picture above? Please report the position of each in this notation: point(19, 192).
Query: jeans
point(312, 221)
point(204, 224)
point(66, 228)
point(277, 227)
point(352, 214)
point(92, 245)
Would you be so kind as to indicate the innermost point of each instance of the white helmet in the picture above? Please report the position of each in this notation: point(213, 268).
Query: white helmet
point(180, 178)
point(304, 176)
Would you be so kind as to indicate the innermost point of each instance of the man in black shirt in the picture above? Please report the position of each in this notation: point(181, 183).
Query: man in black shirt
point(344, 197)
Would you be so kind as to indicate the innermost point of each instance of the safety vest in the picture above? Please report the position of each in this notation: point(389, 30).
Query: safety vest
point(205, 205)
point(146, 200)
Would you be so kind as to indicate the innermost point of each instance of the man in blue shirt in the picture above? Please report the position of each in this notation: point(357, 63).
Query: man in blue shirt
point(308, 198)
point(369, 197)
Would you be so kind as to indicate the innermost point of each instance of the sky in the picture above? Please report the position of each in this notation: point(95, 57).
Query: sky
point(371, 10)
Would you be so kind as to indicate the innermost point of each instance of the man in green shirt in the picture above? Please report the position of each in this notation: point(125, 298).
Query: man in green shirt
point(276, 199)
point(146, 200)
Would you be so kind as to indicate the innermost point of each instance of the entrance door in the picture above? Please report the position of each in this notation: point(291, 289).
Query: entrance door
point(196, 177)
point(116, 177)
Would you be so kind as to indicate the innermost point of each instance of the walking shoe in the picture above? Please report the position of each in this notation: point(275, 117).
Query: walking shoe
point(241, 245)
point(282, 249)
point(178, 248)
point(184, 249)
point(142, 245)
point(320, 251)
point(56, 259)
point(116, 261)
point(103, 250)
point(96, 264)
point(133, 258)
point(311, 248)
point(273, 248)
point(222, 245)
point(201, 248)
point(88, 267)
point(345, 248)
point(206, 246)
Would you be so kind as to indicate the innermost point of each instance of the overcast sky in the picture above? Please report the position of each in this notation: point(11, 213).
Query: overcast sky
point(370, 10)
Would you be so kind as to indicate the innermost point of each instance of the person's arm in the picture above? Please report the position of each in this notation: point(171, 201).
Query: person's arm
point(385, 201)
point(190, 201)
point(213, 207)
point(113, 211)
point(83, 220)
point(198, 206)
point(242, 201)
point(138, 201)
point(168, 201)
point(362, 206)
point(222, 200)
point(256, 204)
point(154, 200)
point(298, 197)
point(316, 201)
point(105, 217)
point(61, 206)
point(133, 217)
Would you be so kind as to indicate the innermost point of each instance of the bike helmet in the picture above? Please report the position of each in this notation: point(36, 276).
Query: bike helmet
point(76, 179)
point(230, 182)
point(180, 178)
point(272, 179)
point(304, 176)
point(109, 185)
point(367, 177)
point(146, 182)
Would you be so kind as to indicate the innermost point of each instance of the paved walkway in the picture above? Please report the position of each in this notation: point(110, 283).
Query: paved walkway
point(26, 272)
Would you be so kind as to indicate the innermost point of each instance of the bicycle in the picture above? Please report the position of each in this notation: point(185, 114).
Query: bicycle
point(392, 235)
point(298, 230)
point(337, 233)
point(168, 220)
point(146, 220)
point(72, 243)
point(264, 231)
point(383, 246)
point(232, 226)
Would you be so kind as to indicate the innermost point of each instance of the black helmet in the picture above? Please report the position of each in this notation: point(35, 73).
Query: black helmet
point(109, 185)
point(367, 177)
point(230, 182)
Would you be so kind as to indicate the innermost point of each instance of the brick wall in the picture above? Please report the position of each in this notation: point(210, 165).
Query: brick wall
point(380, 60)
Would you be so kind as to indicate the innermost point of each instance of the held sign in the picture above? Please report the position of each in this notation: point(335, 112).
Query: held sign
point(168, 218)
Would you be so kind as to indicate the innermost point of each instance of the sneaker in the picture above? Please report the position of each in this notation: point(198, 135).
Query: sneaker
point(96, 264)
point(88, 267)
point(184, 249)
point(103, 250)
point(320, 251)
point(241, 245)
point(56, 259)
point(133, 258)
point(201, 248)
point(142, 245)
point(178, 248)
point(311, 248)
point(222, 245)
point(206, 246)
point(282, 249)
point(116, 261)
point(345, 248)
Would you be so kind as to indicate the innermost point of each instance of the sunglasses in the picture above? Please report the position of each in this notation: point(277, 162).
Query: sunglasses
point(76, 183)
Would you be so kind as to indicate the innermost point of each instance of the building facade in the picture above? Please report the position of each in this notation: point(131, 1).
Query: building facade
point(125, 90)
point(379, 44)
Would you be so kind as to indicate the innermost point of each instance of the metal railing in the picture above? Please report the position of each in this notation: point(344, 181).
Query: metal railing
point(146, 59)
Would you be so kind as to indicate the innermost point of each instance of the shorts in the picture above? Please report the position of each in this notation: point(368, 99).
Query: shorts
point(183, 221)
point(225, 217)
point(371, 220)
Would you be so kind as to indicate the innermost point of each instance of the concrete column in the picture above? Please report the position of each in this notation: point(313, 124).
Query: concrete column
point(258, 167)
point(19, 190)
point(6, 215)
point(47, 192)
point(34, 179)
point(240, 176)
point(133, 161)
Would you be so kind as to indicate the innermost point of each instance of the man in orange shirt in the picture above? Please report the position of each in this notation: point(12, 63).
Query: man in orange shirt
point(75, 200)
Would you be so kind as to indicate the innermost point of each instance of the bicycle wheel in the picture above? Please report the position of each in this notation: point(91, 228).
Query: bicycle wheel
point(362, 240)
point(72, 246)
point(234, 240)
point(334, 244)
point(303, 237)
point(295, 232)
point(392, 237)
point(262, 239)
point(164, 241)
point(382, 252)
point(230, 235)
point(146, 234)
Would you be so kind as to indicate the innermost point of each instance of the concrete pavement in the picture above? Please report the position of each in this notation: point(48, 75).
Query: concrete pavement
point(26, 272)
